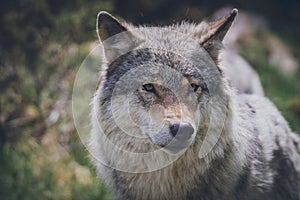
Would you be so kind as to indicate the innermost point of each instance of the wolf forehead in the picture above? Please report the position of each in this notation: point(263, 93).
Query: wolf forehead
point(180, 42)
point(181, 38)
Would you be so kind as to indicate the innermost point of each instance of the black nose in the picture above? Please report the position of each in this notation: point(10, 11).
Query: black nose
point(181, 129)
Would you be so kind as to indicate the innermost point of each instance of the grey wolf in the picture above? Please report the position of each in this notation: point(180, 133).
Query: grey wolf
point(166, 124)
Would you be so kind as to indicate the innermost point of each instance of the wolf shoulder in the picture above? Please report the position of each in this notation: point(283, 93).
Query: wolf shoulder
point(260, 113)
point(265, 121)
point(274, 145)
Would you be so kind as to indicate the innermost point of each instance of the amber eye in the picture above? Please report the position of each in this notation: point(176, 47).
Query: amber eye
point(149, 87)
point(195, 87)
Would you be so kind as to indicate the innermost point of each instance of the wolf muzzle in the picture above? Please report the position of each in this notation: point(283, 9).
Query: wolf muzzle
point(182, 131)
point(174, 137)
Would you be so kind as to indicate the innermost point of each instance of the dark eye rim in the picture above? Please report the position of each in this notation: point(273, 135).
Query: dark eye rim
point(195, 87)
point(152, 89)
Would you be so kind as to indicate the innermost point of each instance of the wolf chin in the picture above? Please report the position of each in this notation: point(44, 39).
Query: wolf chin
point(166, 124)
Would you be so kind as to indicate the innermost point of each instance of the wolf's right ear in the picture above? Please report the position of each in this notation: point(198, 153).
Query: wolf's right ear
point(215, 32)
point(116, 38)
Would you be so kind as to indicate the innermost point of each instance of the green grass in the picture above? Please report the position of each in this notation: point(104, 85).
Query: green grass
point(284, 92)
point(27, 173)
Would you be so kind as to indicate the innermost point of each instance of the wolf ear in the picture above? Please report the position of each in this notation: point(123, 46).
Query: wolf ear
point(116, 39)
point(215, 33)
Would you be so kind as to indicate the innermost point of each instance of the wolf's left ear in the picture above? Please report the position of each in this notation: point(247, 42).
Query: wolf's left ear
point(215, 33)
point(116, 38)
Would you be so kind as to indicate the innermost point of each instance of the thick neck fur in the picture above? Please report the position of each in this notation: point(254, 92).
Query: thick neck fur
point(226, 159)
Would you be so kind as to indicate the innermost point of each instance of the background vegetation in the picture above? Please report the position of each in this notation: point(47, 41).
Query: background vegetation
point(43, 43)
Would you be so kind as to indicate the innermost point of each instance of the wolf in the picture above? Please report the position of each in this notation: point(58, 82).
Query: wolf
point(166, 124)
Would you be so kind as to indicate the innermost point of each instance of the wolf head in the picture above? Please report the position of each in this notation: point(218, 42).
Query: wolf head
point(158, 83)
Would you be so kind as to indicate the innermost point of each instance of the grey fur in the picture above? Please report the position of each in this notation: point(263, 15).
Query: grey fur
point(239, 72)
point(256, 156)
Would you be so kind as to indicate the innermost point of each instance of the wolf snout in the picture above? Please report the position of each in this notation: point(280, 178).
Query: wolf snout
point(174, 137)
point(181, 130)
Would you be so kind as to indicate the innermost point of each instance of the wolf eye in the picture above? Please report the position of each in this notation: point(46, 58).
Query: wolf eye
point(195, 87)
point(149, 87)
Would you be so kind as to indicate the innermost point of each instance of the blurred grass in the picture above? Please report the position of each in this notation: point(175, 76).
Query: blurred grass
point(284, 92)
point(27, 173)
point(282, 89)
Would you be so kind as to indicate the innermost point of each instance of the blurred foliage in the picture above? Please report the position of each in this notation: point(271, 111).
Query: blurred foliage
point(282, 89)
point(42, 44)
point(26, 175)
point(39, 46)
point(27, 26)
